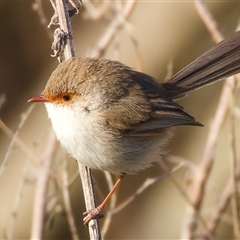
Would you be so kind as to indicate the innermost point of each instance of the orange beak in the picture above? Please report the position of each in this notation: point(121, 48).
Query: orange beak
point(39, 98)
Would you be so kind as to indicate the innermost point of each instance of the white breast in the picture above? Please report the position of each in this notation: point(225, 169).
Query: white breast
point(74, 129)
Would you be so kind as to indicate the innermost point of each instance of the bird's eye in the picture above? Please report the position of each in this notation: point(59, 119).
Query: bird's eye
point(66, 97)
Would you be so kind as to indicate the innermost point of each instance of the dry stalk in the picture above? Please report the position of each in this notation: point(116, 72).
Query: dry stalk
point(199, 182)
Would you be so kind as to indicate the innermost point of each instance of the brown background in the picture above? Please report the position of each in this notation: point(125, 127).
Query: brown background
point(166, 31)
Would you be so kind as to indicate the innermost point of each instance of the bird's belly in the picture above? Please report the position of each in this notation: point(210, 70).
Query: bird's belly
point(82, 137)
point(96, 147)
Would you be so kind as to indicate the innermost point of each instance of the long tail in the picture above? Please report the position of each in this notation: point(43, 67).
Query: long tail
point(222, 60)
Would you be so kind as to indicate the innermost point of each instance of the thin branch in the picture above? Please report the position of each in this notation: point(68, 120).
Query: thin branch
point(41, 189)
point(21, 144)
point(38, 7)
point(67, 203)
point(13, 139)
point(217, 214)
point(208, 20)
point(112, 204)
point(205, 166)
point(109, 34)
point(89, 197)
point(18, 141)
point(95, 13)
point(16, 204)
point(233, 152)
point(134, 40)
point(65, 25)
point(143, 187)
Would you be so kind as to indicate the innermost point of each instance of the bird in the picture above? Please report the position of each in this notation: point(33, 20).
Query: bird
point(111, 117)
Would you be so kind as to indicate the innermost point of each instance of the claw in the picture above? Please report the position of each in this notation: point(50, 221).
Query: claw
point(96, 212)
point(92, 214)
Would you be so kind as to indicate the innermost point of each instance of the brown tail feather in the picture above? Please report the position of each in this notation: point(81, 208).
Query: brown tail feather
point(222, 60)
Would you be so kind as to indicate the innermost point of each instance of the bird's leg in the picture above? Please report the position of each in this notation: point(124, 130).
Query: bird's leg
point(96, 212)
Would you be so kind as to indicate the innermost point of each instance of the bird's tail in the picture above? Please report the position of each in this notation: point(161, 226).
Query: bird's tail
point(222, 60)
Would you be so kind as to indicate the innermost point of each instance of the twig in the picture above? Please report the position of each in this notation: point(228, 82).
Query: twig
point(204, 169)
point(202, 174)
point(136, 47)
point(205, 166)
point(17, 202)
point(208, 20)
point(41, 189)
point(65, 25)
point(67, 203)
point(13, 139)
point(112, 205)
point(38, 7)
point(21, 144)
point(233, 152)
point(143, 187)
point(221, 207)
point(89, 197)
point(94, 13)
point(118, 22)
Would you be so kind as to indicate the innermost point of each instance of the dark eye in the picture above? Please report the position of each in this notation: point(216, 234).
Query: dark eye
point(66, 97)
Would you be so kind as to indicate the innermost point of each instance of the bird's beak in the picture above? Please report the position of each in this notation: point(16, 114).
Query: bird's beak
point(39, 98)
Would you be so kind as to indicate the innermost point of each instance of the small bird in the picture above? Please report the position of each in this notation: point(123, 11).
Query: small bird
point(110, 117)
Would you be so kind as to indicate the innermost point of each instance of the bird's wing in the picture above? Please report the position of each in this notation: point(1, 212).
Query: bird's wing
point(146, 109)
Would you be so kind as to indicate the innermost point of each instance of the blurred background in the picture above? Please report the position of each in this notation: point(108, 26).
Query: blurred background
point(159, 38)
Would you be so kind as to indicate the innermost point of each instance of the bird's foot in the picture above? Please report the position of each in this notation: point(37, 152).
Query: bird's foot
point(92, 214)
